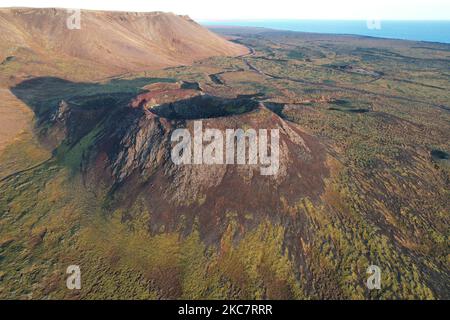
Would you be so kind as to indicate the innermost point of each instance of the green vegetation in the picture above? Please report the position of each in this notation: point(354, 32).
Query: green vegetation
point(49, 220)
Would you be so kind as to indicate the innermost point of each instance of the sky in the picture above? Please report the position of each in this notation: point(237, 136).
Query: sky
point(207, 10)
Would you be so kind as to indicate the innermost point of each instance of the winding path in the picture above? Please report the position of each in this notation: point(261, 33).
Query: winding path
point(331, 86)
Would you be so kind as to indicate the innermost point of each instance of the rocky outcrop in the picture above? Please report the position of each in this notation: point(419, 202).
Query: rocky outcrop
point(62, 113)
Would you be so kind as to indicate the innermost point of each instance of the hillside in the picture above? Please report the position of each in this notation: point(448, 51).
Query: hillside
point(37, 42)
point(108, 42)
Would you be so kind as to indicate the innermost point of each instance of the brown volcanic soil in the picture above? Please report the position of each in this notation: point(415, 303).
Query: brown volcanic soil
point(109, 42)
point(211, 193)
point(15, 117)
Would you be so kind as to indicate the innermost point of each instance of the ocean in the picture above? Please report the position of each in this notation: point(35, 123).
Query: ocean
point(434, 31)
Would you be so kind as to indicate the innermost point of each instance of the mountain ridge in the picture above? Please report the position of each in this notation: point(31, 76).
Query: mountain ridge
point(111, 42)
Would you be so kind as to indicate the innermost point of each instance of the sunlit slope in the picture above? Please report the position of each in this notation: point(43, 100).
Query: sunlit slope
point(107, 42)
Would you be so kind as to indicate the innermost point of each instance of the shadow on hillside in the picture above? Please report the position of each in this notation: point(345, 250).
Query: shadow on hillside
point(44, 94)
point(204, 107)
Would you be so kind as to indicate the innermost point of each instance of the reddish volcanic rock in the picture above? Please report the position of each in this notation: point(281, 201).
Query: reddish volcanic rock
point(145, 100)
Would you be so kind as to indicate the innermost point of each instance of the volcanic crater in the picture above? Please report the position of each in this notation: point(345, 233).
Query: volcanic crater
point(140, 163)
